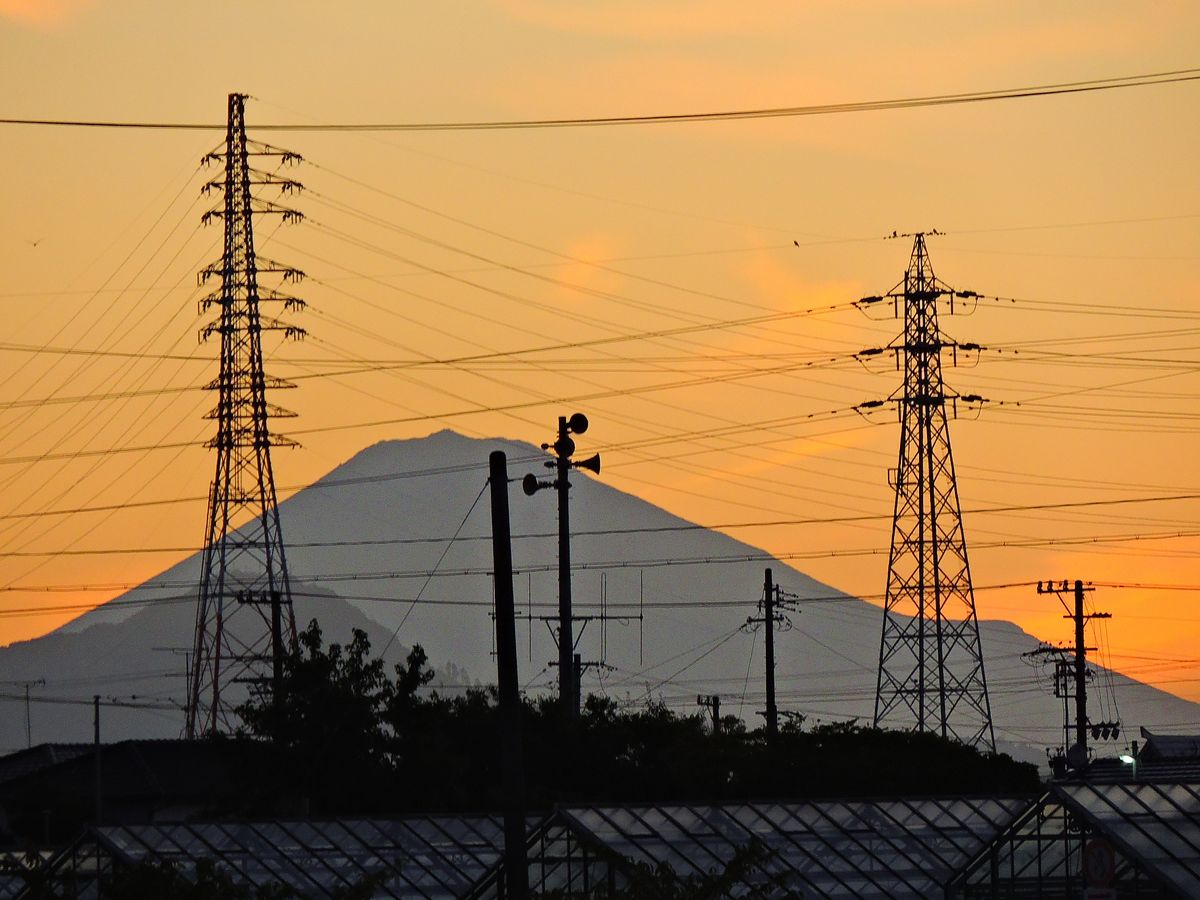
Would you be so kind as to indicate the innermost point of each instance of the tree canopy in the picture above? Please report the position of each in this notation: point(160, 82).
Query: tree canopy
point(352, 737)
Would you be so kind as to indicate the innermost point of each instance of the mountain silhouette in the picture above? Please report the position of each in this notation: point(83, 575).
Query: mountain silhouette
point(367, 549)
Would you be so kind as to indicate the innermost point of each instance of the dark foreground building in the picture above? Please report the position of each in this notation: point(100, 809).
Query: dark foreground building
point(1121, 830)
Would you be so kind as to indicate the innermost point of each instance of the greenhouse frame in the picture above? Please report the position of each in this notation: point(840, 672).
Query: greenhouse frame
point(1111, 840)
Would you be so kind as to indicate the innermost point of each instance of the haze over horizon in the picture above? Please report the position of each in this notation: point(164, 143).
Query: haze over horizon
point(439, 261)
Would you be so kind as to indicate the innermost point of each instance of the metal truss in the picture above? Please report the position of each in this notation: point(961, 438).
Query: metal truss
point(897, 848)
point(1145, 836)
point(414, 857)
point(931, 672)
point(244, 612)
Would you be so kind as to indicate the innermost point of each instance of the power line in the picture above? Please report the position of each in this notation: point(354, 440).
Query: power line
point(467, 467)
point(134, 702)
point(716, 325)
point(727, 377)
point(564, 257)
point(595, 532)
point(106, 451)
point(608, 565)
point(1015, 93)
point(713, 604)
point(578, 399)
point(1085, 224)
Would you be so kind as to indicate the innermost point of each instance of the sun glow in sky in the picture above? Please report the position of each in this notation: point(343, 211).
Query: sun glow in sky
point(1082, 210)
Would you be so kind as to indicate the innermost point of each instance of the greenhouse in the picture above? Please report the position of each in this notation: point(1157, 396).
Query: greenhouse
point(1084, 839)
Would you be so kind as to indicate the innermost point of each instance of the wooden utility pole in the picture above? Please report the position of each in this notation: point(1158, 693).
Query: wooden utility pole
point(1080, 672)
point(516, 866)
point(769, 618)
point(96, 754)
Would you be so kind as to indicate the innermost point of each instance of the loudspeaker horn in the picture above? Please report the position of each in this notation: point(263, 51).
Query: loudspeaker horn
point(529, 484)
point(592, 463)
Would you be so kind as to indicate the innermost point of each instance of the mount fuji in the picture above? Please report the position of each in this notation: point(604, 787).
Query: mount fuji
point(367, 548)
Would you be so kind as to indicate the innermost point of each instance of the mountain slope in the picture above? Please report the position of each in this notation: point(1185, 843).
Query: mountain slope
point(361, 549)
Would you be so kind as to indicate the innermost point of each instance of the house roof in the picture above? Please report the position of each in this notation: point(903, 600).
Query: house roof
point(1169, 746)
point(24, 762)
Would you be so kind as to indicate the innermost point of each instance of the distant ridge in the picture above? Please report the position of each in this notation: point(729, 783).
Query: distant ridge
point(360, 553)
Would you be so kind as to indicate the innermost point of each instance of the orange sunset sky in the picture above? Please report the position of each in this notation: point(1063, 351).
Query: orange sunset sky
point(1082, 211)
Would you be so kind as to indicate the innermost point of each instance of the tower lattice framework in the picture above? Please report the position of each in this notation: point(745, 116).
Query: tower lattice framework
point(244, 612)
point(931, 672)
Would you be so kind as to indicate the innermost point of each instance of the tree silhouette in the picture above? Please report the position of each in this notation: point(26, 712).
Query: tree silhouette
point(352, 738)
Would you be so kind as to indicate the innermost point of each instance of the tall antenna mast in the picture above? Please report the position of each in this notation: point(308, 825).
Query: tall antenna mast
point(244, 612)
point(931, 673)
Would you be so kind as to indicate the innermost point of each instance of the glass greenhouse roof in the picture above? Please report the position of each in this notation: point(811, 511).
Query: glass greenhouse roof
point(1155, 823)
point(414, 857)
point(851, 848)
point(910, 848)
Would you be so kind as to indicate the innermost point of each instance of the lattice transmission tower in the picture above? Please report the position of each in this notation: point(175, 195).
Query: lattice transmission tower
point(931, 673)
point(244, 618)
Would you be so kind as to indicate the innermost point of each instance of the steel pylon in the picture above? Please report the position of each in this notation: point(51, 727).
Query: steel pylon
point(931, 671)
point(244, 618)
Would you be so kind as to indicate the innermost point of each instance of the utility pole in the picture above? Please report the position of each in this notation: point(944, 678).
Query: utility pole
point(712, 703)
point(769, 615)
point(931, 673)
point(563, 447)
point(516, 867)
point(1075, 755)
point(770, 618)
point(579, 664)
point(1080, 672)
point(243, 557)
point(96, 753)
point(566, 641)
point(26, 685)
